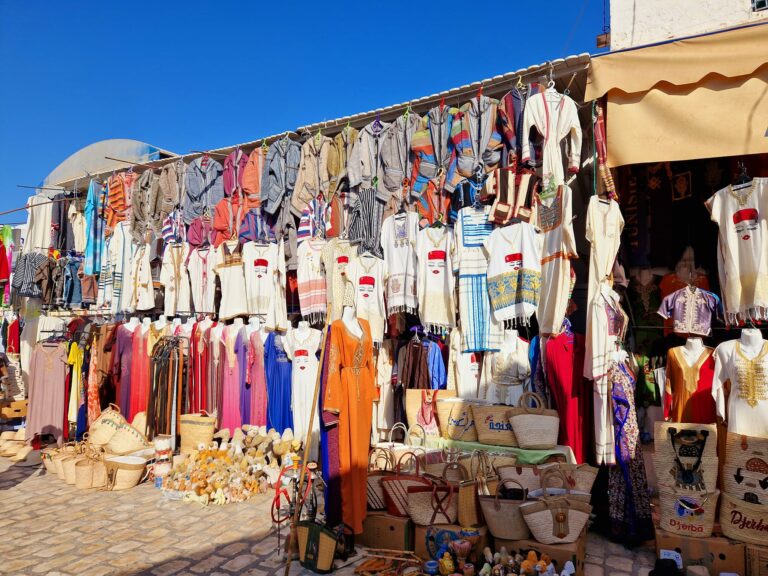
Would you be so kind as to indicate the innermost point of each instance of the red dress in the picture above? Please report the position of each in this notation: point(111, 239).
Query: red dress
point(565, 366)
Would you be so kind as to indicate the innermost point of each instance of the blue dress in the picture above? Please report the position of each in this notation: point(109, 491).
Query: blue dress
point(277, 368)
point(94, 229)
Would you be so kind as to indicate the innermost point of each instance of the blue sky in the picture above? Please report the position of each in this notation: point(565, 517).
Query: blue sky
point(198, 75)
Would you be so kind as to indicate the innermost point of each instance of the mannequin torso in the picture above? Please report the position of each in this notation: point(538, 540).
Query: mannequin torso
point(350, 321)
point(254, 323)
point(692, 350)
point(751, 342)
point(145, 324)
point(132, 324)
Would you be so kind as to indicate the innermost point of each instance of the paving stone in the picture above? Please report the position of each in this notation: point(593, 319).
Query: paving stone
point(207, 565)
point(240, 562)
point(233, 549)
point(593, 570)
point(620, 563)
point(170, 568)
point(124, 546)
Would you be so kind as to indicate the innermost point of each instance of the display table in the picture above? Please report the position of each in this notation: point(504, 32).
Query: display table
point(523, 456)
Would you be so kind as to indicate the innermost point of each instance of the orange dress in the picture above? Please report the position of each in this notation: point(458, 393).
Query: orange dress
point(350, 393)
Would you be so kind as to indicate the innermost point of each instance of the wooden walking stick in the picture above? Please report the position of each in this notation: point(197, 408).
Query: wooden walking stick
point(292, 543)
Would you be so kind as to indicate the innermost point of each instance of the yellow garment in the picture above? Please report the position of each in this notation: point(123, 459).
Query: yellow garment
point(75, 359)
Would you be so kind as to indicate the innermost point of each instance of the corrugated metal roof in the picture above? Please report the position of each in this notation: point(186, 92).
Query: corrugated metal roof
point(568, 71)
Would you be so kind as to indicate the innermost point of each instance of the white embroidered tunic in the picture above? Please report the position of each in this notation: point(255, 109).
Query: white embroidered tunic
point(436, 281)
point(746, 408)
point(506, 372)
point(174, 277)
point(366, 275)
point(398, 240)
point(742, 249)
point(264, 269)
point(514, 272)
point(202, 275)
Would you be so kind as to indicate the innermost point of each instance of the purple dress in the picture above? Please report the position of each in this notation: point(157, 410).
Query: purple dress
point(241, 348)
point(230, 384)
point(121, 366)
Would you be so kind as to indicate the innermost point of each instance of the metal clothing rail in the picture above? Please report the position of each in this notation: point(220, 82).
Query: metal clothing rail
point(559, 68)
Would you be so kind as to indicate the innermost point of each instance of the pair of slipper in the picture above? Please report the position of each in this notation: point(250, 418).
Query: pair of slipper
point(13, 445)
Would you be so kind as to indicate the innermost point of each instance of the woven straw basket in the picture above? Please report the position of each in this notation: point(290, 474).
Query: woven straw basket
point(436, 504)
point(321, 558)
point(663, 444)
point(105, 426)
point(90, 472)
point(493, 426)
point(740, 449)
point(65, 451)
point(536, 428)
point(743, 521)
point(127, 439)
point(47, 455)
point(455, 418)
point(124, 472)
point(737, 482)
point(686, 512)
point(556, 520)
point(68, 465)
point(196, 429)
point(579, 477)
point(551, 478)
point(503, 516)
point(528, 475)
point(380, 465)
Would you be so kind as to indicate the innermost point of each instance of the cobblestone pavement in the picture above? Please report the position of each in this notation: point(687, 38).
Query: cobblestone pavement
point(52, 528)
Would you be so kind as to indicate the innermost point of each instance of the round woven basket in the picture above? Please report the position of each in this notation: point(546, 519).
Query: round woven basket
point(687, 512)
point(124, 472)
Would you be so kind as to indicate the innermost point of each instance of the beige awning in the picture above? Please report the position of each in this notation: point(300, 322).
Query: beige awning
point(701, 97)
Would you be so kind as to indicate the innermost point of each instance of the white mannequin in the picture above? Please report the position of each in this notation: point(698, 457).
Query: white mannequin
point(303, 330)
point(692, 350)
point(175, 323)
point(254, 323)
point(161, 323)
point(189, 324)
point(132, 324)
point(238, 323)
point(146, 322)
point(349, 318)
point(216, 332)
point(751, 342)
point(510, 339)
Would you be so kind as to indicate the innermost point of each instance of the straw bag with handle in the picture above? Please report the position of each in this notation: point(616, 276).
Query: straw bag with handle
point(493, 426)
point(740, 449)
point(744, 521)
point(124, 472)
point(455, 418)
point(528, 475)
point(554, 482)
point(90, 472)
point(105, 426)
point(126, 440)
point(434, 504)
point(196, 429)
point(686, 512)
point(749, 484)
point(578, 477)
point(556, 520)
point(317, 546)
point(396, 486)
point(482, 482)
point(503, 516)
point(408, 444)
point(690, 440)
point(380, 465)
point(536, 428)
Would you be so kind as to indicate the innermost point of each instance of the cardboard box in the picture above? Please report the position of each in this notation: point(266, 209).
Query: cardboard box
point(717, 554)
point(385, 531)
point(560, 553)
point(757, 560)
point(420, 535)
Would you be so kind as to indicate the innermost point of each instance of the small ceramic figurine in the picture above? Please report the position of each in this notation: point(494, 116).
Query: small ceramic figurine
point(446, 564)
point(469, 569)
point(488, 555)
point(569, 569)
point(485, 570)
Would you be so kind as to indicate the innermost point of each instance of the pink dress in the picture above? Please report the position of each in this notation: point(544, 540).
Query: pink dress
point(230, 387)
point(257, 380)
